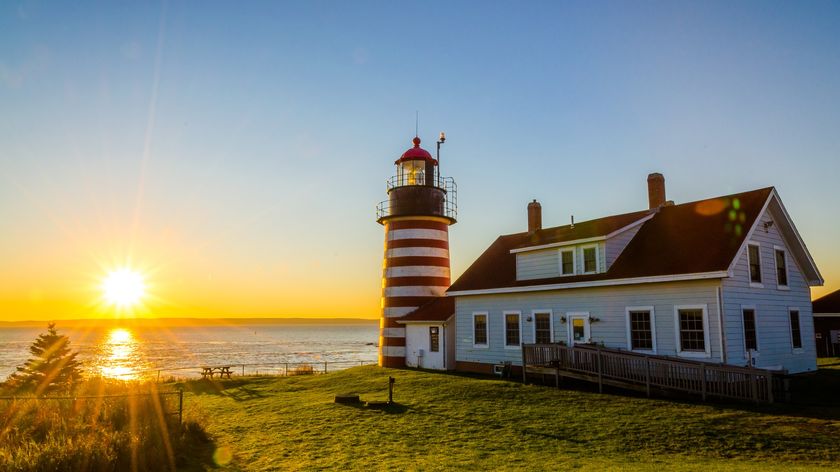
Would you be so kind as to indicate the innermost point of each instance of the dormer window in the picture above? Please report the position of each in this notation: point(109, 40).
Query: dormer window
point(567, 262)
point(590, 259)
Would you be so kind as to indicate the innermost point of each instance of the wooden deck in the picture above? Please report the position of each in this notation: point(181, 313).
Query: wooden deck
point(649, 373)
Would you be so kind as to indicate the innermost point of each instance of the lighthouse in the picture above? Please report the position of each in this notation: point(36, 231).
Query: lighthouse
point(421, 206)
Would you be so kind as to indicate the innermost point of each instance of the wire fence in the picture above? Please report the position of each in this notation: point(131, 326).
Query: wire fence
point(226, 370)
point(170, 404)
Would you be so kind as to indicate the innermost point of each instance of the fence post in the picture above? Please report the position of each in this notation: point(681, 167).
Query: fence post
point(325, 367)
point(647, 376)
point(243, 370)
point(754, 386)
point(286, 370)
point(769, 388)
point(703, 381)
point(600, 381)
point(180, 406)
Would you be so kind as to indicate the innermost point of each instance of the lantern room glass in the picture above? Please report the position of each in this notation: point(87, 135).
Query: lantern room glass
point(411, 172)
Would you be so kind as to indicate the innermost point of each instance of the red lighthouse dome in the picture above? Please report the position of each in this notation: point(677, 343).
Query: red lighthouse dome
point(416, 153)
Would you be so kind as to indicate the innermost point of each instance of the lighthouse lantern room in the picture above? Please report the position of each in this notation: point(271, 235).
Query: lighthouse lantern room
point(420, 207)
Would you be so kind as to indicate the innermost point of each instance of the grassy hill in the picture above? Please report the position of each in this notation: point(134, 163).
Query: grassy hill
point(445, 421)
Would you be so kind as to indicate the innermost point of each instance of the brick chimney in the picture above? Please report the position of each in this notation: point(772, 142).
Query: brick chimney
point(656, 190)
point(534, 216)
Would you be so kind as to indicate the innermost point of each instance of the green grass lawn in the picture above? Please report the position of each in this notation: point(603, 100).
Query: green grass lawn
point(445, 421)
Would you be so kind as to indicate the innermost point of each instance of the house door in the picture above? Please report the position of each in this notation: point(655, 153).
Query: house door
point(578, 328)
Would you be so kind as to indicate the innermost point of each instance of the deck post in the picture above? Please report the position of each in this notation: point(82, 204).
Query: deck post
point(703, 381)
point(524, 366)
point(647, 376)
point(754, 386)
point(600, 381)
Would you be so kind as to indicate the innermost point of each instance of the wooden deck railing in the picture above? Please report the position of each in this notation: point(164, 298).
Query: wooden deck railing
point(646, 372)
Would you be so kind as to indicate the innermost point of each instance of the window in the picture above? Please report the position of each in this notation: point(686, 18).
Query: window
point(480, 329)
point(795, 333)
point(590, 259)
point(511, 329)
point(542, 327)
point(755, 264)
point(781, 268)
point(640, 328)
point(691, 326)
point(434, 339)
point(750, 338)
point(567, 262)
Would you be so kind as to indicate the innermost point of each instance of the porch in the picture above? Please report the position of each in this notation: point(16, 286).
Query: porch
point(648, 373)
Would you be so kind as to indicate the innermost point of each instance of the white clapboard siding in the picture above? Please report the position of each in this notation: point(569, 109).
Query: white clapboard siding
point(771, 306)
point(606, 303)
point(537, 264)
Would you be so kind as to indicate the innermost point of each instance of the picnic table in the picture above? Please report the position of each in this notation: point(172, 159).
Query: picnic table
point(222, 371)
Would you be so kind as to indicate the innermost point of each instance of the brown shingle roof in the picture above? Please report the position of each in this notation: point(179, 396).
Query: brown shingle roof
point(695, 237)
point(828, 303)
point(439, 309)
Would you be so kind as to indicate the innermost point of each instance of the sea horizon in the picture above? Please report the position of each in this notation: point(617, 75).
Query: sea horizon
point(151, 322)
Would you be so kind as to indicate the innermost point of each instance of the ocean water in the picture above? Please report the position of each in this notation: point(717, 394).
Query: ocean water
point(148, 352)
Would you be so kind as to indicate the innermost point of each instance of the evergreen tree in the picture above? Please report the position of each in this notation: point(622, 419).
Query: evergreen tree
point(52, 368)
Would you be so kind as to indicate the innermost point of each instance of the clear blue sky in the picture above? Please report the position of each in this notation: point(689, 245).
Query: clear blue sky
point(240, 147)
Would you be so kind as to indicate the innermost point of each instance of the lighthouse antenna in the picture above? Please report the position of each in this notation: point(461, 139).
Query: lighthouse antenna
point(441, 140)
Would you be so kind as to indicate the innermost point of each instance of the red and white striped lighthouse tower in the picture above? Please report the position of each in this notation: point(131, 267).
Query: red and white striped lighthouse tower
point(420, 207)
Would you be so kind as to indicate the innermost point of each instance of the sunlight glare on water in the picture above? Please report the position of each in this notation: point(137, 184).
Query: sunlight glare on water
point(120, 356)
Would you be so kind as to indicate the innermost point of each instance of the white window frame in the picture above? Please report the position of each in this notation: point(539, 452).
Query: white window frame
point(776, 268)
point(587, 327)
point(749, 263)
point(707, 344)
point(550, 325)
point(800, 349)
point(583, 258)
point(744, 333)
point(486, 329)
point(650, 310)
point(560, 261)
point(504, 327)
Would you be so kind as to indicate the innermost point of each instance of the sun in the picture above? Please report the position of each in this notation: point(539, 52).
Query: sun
point(123, 287)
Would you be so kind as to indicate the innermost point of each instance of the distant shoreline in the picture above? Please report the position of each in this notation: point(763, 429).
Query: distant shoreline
point(175, 322)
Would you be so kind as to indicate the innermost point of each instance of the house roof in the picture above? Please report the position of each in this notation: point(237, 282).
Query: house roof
point(690, 238)
point(439, 309)
point(827, 303)
point(582, 230)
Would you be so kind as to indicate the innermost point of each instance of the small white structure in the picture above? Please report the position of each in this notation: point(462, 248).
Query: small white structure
point(430, 335)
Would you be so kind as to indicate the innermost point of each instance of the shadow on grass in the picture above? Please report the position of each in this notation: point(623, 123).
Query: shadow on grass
point(390, 409)
point(239, 389)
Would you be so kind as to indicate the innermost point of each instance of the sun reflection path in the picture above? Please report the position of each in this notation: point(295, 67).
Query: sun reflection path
point(120, 355)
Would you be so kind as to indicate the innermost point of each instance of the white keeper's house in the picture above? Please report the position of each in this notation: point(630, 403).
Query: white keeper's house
point(723, 280)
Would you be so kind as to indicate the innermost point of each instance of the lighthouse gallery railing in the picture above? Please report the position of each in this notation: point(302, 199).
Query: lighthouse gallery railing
point(447, 184)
